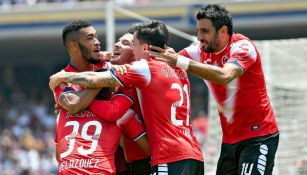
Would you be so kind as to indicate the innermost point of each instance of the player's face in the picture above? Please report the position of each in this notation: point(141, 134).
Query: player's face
point(89, 45)
point(139, 48)
point(123, 52)
point(207, 35)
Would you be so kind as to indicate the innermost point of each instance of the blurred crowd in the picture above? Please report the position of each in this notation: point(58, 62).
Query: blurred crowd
point(26, 135)
point(26, 129)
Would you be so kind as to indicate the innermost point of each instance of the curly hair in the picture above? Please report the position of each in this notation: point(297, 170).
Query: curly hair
point(74, 26)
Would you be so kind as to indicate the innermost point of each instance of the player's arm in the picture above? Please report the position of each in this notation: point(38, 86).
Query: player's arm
point(211, 73)
point(77, 101)
point(142, 142)
point(111, 110)
point(215, 74)
point(88, 79)
point(134, 130)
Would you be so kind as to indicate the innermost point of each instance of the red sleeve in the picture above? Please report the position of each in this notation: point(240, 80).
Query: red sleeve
point(138, 74)
point(59, 90)
point(243, 53)
point(183, 52)
point(111, 110)
point(131, 126)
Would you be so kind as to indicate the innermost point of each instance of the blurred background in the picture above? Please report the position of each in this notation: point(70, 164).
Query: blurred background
point(31, 50)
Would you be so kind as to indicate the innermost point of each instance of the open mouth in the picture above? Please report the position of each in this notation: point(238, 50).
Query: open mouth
point(116, 52)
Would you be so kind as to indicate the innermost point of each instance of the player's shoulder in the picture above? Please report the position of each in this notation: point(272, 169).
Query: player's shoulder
point(237, 37)
point(194, 47)
point(70, 68)
point(193, 51)
point(139, 64)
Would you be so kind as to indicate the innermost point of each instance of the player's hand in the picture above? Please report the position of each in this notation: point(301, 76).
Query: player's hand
point(167, 55)
point(106, 56)
point(56, 79)
point(121, 69)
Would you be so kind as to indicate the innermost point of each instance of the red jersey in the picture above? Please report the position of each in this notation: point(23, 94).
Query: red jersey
point(164, 96)
point(132, 151)
point(86, 142)
point(244, 106)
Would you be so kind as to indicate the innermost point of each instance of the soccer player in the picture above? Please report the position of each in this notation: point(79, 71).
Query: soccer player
point(85, 142)
point(230, 64)
point(138, 160)
point(164, 96)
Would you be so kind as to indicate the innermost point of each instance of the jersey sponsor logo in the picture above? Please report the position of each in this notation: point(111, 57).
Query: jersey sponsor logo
point(243, 50)
point(78, 163)
point(262, 159)
point(238, 57)
point(244, 47)
point(169, 72)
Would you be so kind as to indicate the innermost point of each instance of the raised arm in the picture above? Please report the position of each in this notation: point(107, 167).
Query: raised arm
point(211, 73)
point(214, 74)
point(88, 79)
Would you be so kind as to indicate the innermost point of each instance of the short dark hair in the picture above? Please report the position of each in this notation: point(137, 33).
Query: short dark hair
point(133, 28)
point(153, 32)
point(74, 26)
point(219, 16)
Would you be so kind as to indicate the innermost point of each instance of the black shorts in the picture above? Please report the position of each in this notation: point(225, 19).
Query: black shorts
point(249, 157)
point(182, 167)
point(140, 167)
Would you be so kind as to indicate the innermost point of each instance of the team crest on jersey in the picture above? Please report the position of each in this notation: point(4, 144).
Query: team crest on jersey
point(224, 59)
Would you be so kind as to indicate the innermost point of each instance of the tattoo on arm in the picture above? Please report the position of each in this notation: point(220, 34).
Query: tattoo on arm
point(77, 79)
point(93, 80)
point(110, 81)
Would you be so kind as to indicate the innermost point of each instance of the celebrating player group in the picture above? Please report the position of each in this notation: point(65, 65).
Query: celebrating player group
point(128, 112)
